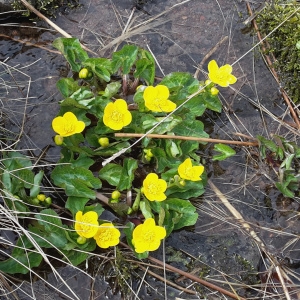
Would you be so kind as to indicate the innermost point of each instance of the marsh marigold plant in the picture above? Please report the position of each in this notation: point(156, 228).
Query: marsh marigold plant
point(107, 235)
point(147, 236)
point(156, 99)
point(67, 124)
point(221, 76)
point(154, 188)
point(189, 172)
point(86, 225)
point(116, 115)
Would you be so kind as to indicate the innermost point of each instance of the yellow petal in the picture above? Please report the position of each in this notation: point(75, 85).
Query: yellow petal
point(162, 91)
point(80, 125)
point(58, 125)
point(227, 69)
point(149, 93)
point(120, 105)
point(70, 117)
point(213, 66)
point(232, 79)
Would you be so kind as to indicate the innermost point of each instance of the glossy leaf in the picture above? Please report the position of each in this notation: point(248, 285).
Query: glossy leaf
point(111, 173)
point(124, 59)
point(101, 67)
point(72, 51)
point(225, 152)
point(127, 175)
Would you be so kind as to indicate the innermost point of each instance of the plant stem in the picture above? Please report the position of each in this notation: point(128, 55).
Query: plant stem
point(187, 138)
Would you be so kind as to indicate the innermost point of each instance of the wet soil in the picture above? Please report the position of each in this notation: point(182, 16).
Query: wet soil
point(179, 40)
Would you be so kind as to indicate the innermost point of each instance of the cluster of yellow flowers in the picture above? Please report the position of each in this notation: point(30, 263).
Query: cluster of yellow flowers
point(154, 188)
point(146, 236)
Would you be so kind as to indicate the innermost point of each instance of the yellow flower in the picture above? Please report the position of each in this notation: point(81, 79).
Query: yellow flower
point(187, 171)
point(67, 125)
point(107, 235)
point(156, 99)
point(154, 188)
point(221, 76)
point(147, 236)
point(116, 115)
point(86, 225)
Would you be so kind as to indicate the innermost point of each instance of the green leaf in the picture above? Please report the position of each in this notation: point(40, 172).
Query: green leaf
point(283, 188)
point(127, 175)
point(225, 152)
point(67, 86)
point(146, 209)
point(35, 189)
point(124, 58)
point(72, 51)
point(191, 127)
point(51, 231)
point(77, 181)
point(23, 260)
point(111, 173)
point(180, 84)
point(145, 69)
point(101, 67)
point(111, 89)
point(111, 149)
point(74, 204)
point(210, 101)
point(181, 212)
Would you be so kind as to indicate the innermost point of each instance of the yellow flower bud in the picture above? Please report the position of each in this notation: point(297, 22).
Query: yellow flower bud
point(41, 197)
point(48, 201)
point(84, 73)
point(214, 91)
point(104, 142)
point(81, 240)
point(115, 195)
point(58, 140)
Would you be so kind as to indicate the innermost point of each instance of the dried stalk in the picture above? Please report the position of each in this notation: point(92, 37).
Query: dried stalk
point(186, 138)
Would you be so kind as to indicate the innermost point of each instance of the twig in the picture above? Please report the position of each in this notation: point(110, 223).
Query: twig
point(61, 31)
point(210, 53)
point(274, 73)
point(187, 138)
point(190, 276)
point(170, 283)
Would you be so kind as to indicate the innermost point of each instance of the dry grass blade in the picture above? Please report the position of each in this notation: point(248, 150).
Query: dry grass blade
point(280, 272)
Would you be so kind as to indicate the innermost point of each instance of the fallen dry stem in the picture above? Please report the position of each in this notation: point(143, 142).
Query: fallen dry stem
point(189, 276)
point(53, 25)
point(186, 138)
point(252, 233)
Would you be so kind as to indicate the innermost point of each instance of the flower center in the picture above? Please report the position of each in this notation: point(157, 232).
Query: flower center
point(69, 128)
point(153, 188)
point(86, 224)
point(105, 236)
point(116, 116)
point(149, 236)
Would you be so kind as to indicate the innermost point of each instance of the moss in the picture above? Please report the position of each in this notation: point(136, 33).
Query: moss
point(46, 7)
point(283, 42)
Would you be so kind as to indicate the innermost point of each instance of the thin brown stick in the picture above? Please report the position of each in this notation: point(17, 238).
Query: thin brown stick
point(58, 29)
point(186, 138)
point(270, 64)
point(189, 276)
point(170, 283)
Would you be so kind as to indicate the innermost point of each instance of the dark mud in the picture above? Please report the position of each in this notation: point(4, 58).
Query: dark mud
point(215, 246)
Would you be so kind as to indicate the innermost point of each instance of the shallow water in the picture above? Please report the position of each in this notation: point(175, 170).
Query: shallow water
point(216, 245)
